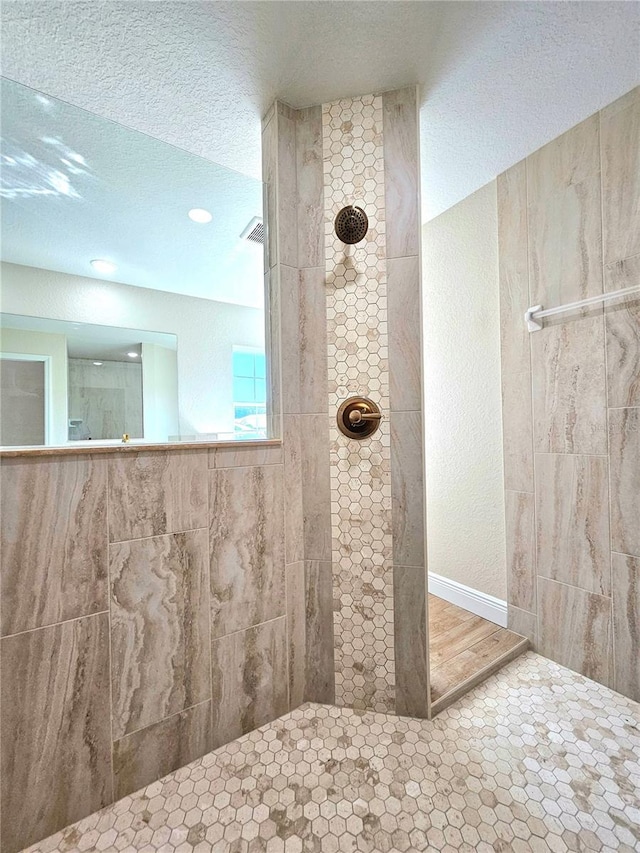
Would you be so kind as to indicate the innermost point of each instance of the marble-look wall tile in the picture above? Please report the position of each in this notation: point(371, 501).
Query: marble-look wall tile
point(245, 457)
point(296, 632)
point(291, 345)
point(146, 755)
point(286, 110)
point(521, 555)
point(250, 682)
point(157, 492)
point(565, 244)
point(410, 641)
point(401, 172)
point(293, 490)
point(625, 572)
point(246, 547)
point(273, 337)
point(566, 161)
point(55, 728)
point(316, 486)
point(310, 187)
point(405, 351)
point(312, 331)
point(622, 324)
point(565, 211)
point(407, 489)
point(620, 133)
point(159, 628)
point(269, 178)
point(565, 233)
point(575, 629)
point(523, 623)
point(517, 431)
point(304, 361)
point(624, 444)
point(572, 518)
point(287, 191)
point(53, 519)
point(569, 397)
point(513, 266)
point(320, 679)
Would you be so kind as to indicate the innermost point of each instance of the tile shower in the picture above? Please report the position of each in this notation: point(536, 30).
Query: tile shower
point(158, 605)
point(568, 229)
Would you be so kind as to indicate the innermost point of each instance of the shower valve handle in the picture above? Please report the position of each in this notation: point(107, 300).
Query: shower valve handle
point(356, 416)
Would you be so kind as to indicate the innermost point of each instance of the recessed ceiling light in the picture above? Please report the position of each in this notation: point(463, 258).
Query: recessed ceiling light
point(132, 354)
point(98, 363)
point(199, 214)
point(104, 267)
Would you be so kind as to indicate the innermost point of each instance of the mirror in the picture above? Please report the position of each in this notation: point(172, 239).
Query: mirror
point(132, 286)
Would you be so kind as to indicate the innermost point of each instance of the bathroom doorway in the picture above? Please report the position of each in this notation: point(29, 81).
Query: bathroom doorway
point(24, 381)
point(466, 529)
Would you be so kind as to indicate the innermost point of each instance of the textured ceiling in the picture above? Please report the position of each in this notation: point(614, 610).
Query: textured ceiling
point(76, 187)
point(498, 79)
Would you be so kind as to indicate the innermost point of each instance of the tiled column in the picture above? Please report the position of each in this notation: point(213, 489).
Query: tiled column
point(350, 324)
point(370, 147)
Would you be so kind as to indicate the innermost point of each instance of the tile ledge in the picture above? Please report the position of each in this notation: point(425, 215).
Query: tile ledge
point(64, 450)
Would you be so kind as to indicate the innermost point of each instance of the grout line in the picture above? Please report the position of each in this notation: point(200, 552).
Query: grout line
point(534, 550)
point(249, 627)
point(624, 554)
point(574, 586)
point(566, 453)
point(56, 624)
point(157, 536)
point(208, 599)
point(162, 720)
point(244, 467)
point(606, 407)
point(618, 408)
point(110, 651)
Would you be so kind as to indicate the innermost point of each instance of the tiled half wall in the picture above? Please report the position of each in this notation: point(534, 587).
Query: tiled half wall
point(350, 320)
point(569, 228)
point(144, 621)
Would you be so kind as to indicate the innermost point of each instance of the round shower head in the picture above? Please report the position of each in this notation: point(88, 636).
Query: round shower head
point(351, 224)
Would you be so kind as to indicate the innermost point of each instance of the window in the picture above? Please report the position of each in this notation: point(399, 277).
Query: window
point(249, 392)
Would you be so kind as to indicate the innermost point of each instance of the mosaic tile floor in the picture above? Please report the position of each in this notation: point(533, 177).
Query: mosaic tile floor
point(535, 759)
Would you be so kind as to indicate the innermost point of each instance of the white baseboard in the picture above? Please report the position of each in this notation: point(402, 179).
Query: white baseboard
point(493, 609)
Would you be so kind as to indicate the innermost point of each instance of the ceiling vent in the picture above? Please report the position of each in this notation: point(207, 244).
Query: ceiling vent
point(254, 231)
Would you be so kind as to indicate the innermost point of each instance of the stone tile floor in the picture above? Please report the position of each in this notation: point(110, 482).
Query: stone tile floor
point(535, 759)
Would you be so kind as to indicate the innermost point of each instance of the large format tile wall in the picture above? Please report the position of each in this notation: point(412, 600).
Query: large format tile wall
point(359, 567)
point(569, 228)
point(143, 620)
point(292, 170)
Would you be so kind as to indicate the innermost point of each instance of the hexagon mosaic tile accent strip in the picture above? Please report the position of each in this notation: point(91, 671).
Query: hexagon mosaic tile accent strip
point(536, 759)
point(356, 281)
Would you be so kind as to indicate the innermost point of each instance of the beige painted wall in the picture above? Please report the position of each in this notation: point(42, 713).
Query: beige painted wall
point(465, 504)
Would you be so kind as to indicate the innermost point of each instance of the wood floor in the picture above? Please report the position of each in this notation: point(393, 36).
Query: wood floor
point(464, 649)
